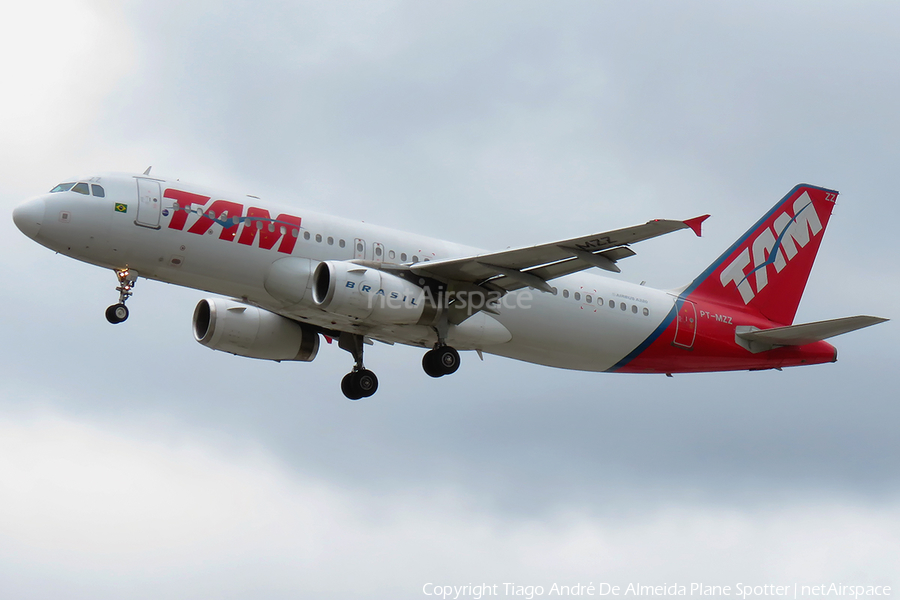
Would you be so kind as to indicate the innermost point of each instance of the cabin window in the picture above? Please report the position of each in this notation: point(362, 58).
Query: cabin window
point(600, 301)
point(342, 243)
point(319, 238)
point(578, 295)
point(588, 299)
point(403, 256)
point(392, 255)
point(305, 235)
point(415, 258)
point(646, 312)
point(612, 303)
point(634, 308)
point(330, 241)
point(565, 293)
point(623, 306)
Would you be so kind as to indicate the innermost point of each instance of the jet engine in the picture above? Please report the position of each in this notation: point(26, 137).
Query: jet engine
point(352, 290)
point(252, 332)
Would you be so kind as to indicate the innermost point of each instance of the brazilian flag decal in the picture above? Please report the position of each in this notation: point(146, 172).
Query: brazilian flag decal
point(121, 207)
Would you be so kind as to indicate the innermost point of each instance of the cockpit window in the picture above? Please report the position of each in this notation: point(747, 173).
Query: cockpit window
point(81, 188)
point(96, 190)
point(63, 187)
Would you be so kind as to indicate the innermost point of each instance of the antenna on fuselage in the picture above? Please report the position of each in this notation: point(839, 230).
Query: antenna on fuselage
point(147, 172)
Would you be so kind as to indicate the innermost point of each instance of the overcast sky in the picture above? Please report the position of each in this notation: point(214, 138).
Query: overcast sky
point(136, 463)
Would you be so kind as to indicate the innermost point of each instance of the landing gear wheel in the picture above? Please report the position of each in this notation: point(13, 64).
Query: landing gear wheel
point(359, 384)
point(448, 358)
point(366, 382)
point(117, 313)
point(441, 361)
point(348, 386)
point(430, 364)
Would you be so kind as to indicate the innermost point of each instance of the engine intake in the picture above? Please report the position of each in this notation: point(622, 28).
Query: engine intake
point(249, 331)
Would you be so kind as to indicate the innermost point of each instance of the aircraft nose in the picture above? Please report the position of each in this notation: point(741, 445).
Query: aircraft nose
point(29, 216)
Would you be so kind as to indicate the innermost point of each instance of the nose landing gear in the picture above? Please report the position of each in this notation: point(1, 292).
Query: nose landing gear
point(117, 313)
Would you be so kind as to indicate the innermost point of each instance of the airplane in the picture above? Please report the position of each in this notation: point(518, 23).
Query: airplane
point(290, 277)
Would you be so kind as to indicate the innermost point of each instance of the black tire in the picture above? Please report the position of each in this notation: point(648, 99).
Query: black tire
point(366, 382)
point(117, 313)
point(349, 387)
point(430, 364)
point(447, 359)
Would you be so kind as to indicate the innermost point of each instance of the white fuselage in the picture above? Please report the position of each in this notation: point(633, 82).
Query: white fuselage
point(608, 320)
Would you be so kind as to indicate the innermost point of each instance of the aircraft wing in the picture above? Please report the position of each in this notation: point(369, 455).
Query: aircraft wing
point(535, 265)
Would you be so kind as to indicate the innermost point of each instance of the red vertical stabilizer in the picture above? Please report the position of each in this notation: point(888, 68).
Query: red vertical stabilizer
point(766, 270)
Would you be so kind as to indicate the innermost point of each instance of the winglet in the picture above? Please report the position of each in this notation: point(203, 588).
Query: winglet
point(695, 223)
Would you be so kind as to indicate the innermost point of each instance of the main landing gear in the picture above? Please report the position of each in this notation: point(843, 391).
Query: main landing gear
point(360, 382)
point(117, 313)
point(443, 360)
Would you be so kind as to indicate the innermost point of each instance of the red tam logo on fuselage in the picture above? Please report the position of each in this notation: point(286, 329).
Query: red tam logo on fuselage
point(230, 215)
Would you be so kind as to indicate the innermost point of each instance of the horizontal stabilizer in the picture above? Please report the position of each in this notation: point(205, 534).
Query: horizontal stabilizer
point(760, 340)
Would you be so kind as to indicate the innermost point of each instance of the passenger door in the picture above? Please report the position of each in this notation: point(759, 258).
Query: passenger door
point(149, 205)
point(686, 325)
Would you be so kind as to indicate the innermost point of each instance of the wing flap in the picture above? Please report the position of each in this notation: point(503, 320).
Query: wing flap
point(564, 267)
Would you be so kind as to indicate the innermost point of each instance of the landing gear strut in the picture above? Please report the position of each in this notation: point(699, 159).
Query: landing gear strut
point(360, 382)
point(119, 312)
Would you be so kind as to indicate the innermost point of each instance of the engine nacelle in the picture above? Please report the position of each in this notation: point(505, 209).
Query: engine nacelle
point(352, 290)
point(252, 332)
